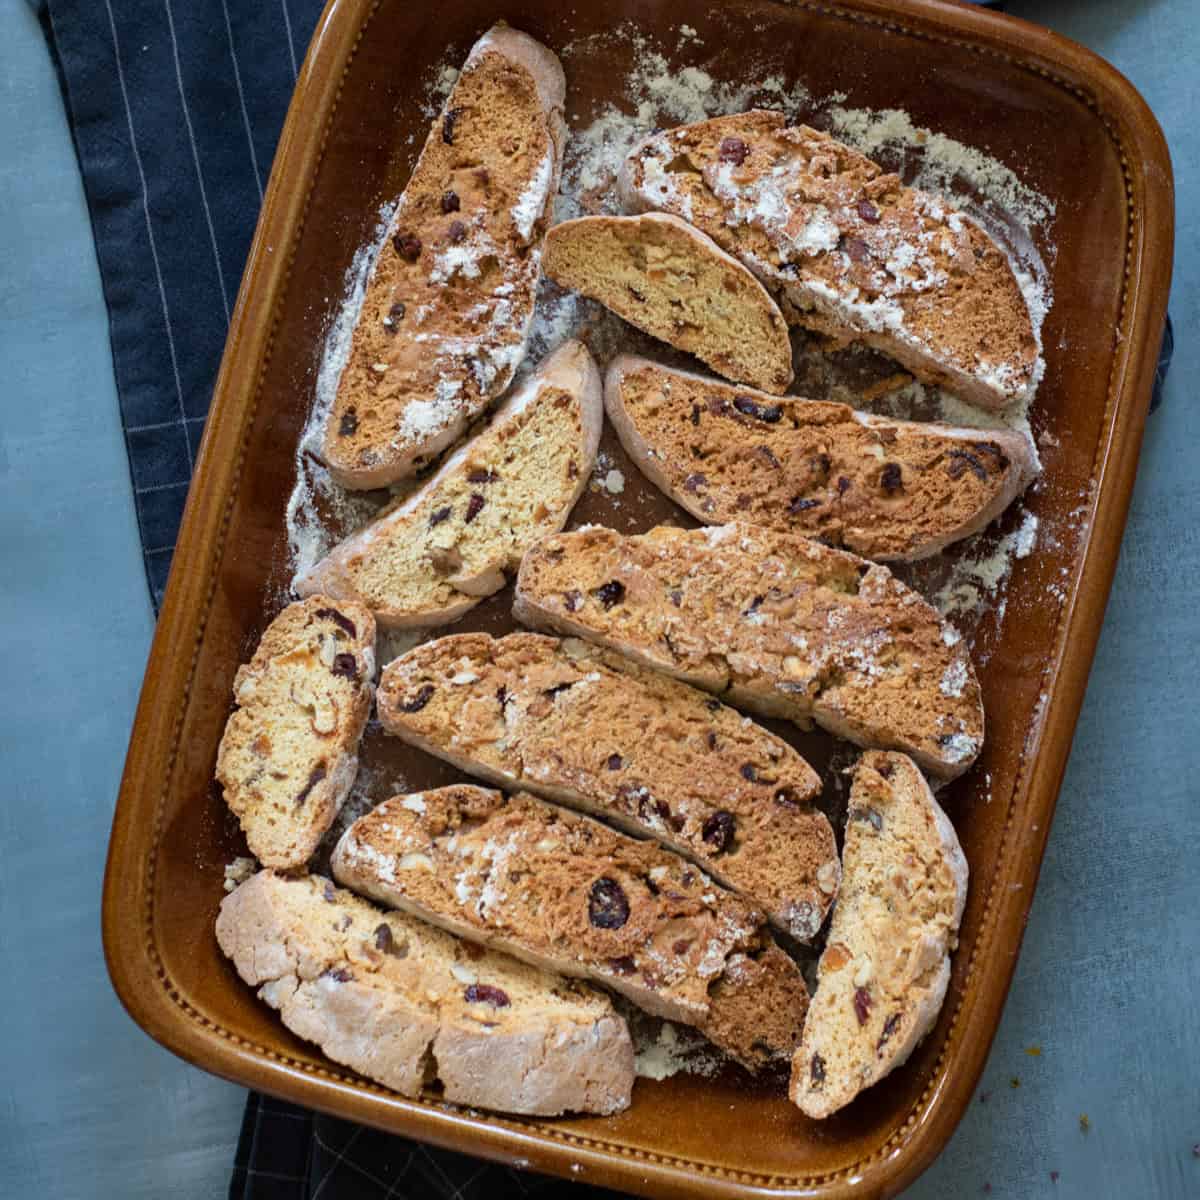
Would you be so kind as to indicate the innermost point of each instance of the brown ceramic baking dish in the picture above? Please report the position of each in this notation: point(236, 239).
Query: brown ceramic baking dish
point(1076, 131)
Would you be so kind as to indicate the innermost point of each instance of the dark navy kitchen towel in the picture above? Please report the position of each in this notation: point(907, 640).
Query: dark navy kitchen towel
point(175, 106)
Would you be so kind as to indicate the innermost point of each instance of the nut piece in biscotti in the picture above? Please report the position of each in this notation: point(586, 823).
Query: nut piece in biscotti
point(587, 728)
point(408, 1005)
point(884, 972)
point(672, 281)
point(850, 251)
point(569, 894)
point(775, 623)
point(450, 300)
point(885, 489)
point(450, 543)
point(290, 750)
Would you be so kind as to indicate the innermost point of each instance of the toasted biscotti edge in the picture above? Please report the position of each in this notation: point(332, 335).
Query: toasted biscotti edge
point(557, 1067)
point(325, 795)
point(899, 1049)
point(570, 367)
point(549, 80)
point(1017, 445)
point(704, 247)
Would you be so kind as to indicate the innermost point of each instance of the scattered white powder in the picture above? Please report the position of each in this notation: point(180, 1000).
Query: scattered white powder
point(974, 579)
point(443, 78)
point(614, 482)
point(533, 199)
point(238, 871)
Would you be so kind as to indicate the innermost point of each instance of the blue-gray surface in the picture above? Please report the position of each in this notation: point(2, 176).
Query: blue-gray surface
point(1109, 979)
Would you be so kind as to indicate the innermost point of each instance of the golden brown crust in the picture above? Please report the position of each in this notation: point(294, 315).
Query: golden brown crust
point(289, 753)
point(777, 623)
point(672, 281)
point(587, 728)
point(886, 965)
point(568, 893)
point(450, 299)
point(852, 252)
point(885, 489)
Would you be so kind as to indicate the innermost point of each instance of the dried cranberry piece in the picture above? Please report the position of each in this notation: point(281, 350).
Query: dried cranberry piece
point(439, 515)
point(340, 619)
point(960, 460)
point(733, 150)
point(610, 594)
point(614, 762)
point(395, 315)
point(340, 974)
point(418, 702)
point(889, 1027)
point(314, 777)
point(346, 665)
point(675, 596)
point(891, 478)
point(816, 1069)
point(608, 907)
point(456, 232)
point(868, 212)
point(349, 423)
point(474, 507)
point(719, 829)
point(856, 249)
point(770, 413)
point(449, 121)
point(843, 485)
point(695, 414)
point(711, 738)
point(485, 993)
point(886, 769)
point(869, 815)
point(408, 246)
point(502, 695)
point(694, 482)
point(328, 892)
point(994, 451)
point(482, 476)
point(799, 504)
point(862, 1005)
point(749, 772)
point(768, 456)
point(572, 600)
point(450, 202)
point(623, 965)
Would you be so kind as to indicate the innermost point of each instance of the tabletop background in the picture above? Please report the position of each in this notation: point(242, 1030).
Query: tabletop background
point(1108, 986)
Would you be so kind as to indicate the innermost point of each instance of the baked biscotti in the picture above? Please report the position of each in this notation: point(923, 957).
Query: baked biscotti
point(850, 251)
point(672, 281)
point(450, 300)
point(589, 729)
point(885, 489)
point(450, 543)
point(408, 1005)
point(774, 622)
point(289, 754)
point(569, 894)
point(886, 965)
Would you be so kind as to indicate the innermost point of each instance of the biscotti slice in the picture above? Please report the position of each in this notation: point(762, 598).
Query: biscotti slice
point(450, 300)
point(290, 750)
point(851, 251)
point(587, 728)
point(884, 972)
point(775, 623)
point(668, 279)
point(449, 544)
point(885, 489)
point(408, 1005)
point(569, 894)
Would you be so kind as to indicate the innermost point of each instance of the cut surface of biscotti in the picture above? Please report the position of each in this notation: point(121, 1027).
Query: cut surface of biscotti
point(884, 972)
point(450, 300)
point(850, 250)
point(775, 623)
point(571, 895)
point(672, 281)
point(448, 545)
point(408, 1005)
point(587, 728)
point(882, 488)
point(289, 754)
